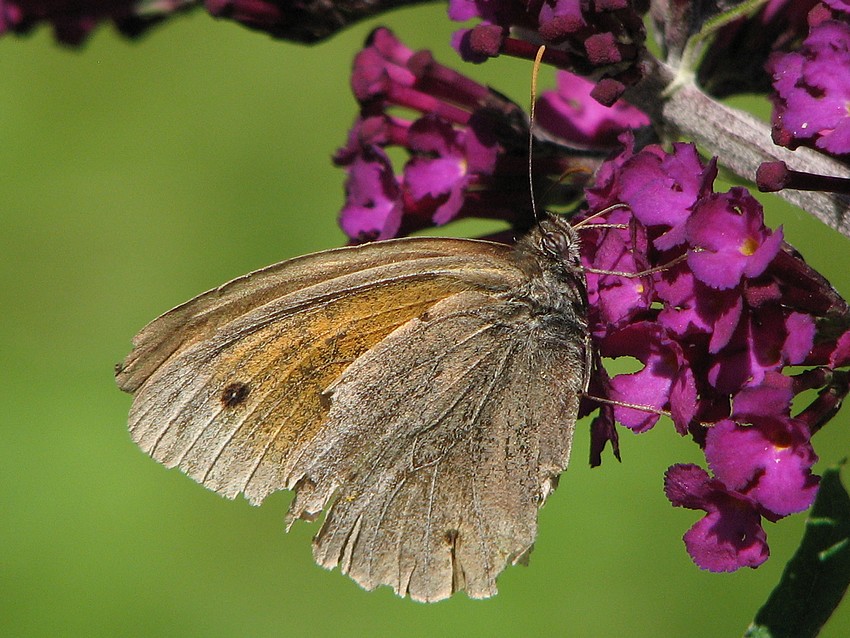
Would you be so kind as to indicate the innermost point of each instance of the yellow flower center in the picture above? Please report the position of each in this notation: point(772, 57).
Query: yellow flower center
point(749, 246)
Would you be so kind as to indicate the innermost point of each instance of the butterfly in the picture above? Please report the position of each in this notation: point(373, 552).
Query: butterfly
point(421, 391)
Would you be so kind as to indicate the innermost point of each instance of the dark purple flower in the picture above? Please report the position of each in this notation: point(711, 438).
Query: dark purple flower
point(442, 165)
point(665, 381)
point(734, 60)
point(766, 339)
point(770, 398)
point(659, 188)
point(617, 298)
point(692, 308)
point(580, 36)
point(72, 21)
point(810, 104)
point(372, 197)
point(730, 536)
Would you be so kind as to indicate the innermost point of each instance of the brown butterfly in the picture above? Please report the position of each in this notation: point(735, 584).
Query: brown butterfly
point(423, 391)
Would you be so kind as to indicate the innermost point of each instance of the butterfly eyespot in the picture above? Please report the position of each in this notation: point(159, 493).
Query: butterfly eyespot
point(554, 243)
point(234, 394)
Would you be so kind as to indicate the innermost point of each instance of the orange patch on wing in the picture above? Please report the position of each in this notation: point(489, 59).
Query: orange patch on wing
point(287, 363)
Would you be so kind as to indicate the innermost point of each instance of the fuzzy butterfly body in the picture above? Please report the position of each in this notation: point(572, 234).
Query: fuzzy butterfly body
point(423, 391)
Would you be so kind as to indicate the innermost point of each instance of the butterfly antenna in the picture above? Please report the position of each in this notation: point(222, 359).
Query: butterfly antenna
point(535, 70)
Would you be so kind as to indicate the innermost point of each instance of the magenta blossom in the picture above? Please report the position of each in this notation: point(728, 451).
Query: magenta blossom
point(571, 114)
point(715, 328)
point(372, 203)
point(729, 239)
point(810, 104)
point(730, 536)
point(769, 460)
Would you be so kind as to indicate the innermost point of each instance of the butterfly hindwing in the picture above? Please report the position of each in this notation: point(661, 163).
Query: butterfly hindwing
point(436, 469)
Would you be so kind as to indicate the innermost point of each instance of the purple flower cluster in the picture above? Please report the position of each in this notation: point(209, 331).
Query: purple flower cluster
point(727, 308)
point(454, 147)
point(811, 99)
point(467, 151)
point(582, 36)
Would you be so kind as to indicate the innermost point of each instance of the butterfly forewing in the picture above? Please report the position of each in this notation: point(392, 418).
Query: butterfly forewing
point(234, 398)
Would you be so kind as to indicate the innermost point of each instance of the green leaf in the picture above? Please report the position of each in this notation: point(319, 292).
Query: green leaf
point(816, 577)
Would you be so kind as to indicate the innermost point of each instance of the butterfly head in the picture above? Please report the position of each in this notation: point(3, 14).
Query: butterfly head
point(554, 243)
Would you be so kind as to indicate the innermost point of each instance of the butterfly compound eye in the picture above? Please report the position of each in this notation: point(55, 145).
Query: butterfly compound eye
point(555, 244)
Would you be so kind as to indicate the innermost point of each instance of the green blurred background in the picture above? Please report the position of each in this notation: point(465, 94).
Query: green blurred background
point(137, 174)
